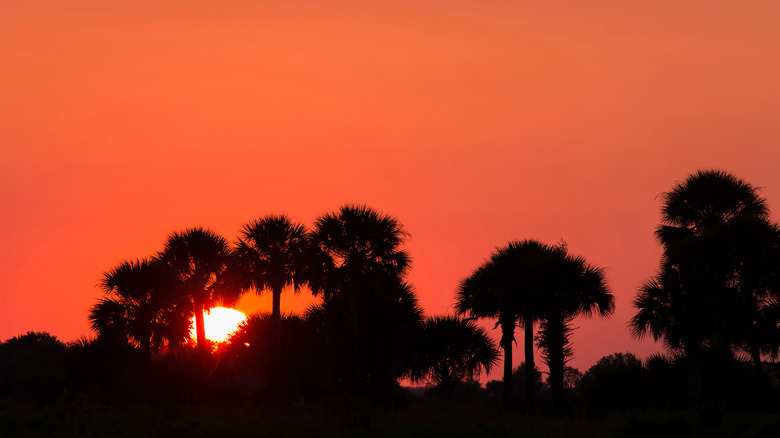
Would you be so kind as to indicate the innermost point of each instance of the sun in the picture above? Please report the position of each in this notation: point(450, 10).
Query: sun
point(220, 323)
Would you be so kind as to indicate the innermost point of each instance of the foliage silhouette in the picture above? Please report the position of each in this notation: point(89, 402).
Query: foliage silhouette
point(272, 253)
point(573, 288)
point(367, 310)
point(535, 282)
point(615, 381)
point(32, 368)
point(451, 350)
point(714, 277)
point(714, 302)
point(143, 304)
point(251, 358)
point(108, 369)
point(510, 285)
point(205, 267)
point(388, 318)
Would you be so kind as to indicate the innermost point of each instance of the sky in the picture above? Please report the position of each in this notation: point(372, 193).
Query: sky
point(473, 123)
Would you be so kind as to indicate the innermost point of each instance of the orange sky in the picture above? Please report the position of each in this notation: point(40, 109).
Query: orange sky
point(473, 123)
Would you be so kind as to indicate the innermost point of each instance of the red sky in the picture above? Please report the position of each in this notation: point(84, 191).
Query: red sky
point(473, 123)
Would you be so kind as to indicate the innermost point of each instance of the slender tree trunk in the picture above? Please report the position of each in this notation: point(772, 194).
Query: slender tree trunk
point(530, 368)
point(554, 337)
point(276, 311)
point(200, 332)
point(508, 322)
point(276, 317)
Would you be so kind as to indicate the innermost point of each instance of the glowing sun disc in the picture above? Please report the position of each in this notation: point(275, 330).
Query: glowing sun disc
point(220, 323)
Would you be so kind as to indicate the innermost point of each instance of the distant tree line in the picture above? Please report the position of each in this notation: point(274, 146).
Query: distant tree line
point(714, 303)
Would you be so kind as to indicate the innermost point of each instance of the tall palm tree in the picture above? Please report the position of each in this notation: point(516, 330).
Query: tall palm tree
point(142, 304)
point(706, 279)
point(509, 286)
point(205, 266)
point(358, 267)
point(272, 251)
point(573, 287)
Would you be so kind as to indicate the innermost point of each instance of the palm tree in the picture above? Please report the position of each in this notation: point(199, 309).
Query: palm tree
point(709, 198)
point(509, 286)
point(142, 304)
point(271, 251)
point(452, 349)
point(573, 287)
point(707, 276)
point(354, 245)
point(204, 264)
point(358, 267)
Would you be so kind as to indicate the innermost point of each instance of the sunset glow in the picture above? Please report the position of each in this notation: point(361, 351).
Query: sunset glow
point(220, 323)
point(472, 123)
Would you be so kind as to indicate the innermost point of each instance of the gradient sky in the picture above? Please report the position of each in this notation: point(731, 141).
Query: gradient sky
point(473, 123)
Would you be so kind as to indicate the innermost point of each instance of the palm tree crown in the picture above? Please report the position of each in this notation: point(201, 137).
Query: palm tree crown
point(356, 243)
point(272, 252)
point(143, 304)
point(204, 264)
point(710, 197)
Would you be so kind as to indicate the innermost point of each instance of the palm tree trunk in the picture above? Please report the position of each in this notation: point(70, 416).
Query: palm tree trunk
point(530, 368)
point(555, 339)
point(276, 312)
point(200, 334)
point(276, 316)
point(507, 337)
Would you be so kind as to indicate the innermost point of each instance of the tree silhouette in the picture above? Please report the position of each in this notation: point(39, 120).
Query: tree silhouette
point(710, 275)
point(358, 267)
point(510, 286)
point(143, 304)
point(450, 350)
point(272, 252)
point(617, 381)
point(251, 353)
point(205, 268)
point(356, 244)
point(31, 369)
point(573, 288)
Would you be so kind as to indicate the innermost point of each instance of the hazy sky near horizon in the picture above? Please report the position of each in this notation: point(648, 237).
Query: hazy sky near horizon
point(473, 123)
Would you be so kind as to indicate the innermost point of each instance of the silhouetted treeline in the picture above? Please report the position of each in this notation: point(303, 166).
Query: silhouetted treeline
point(715, 304)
